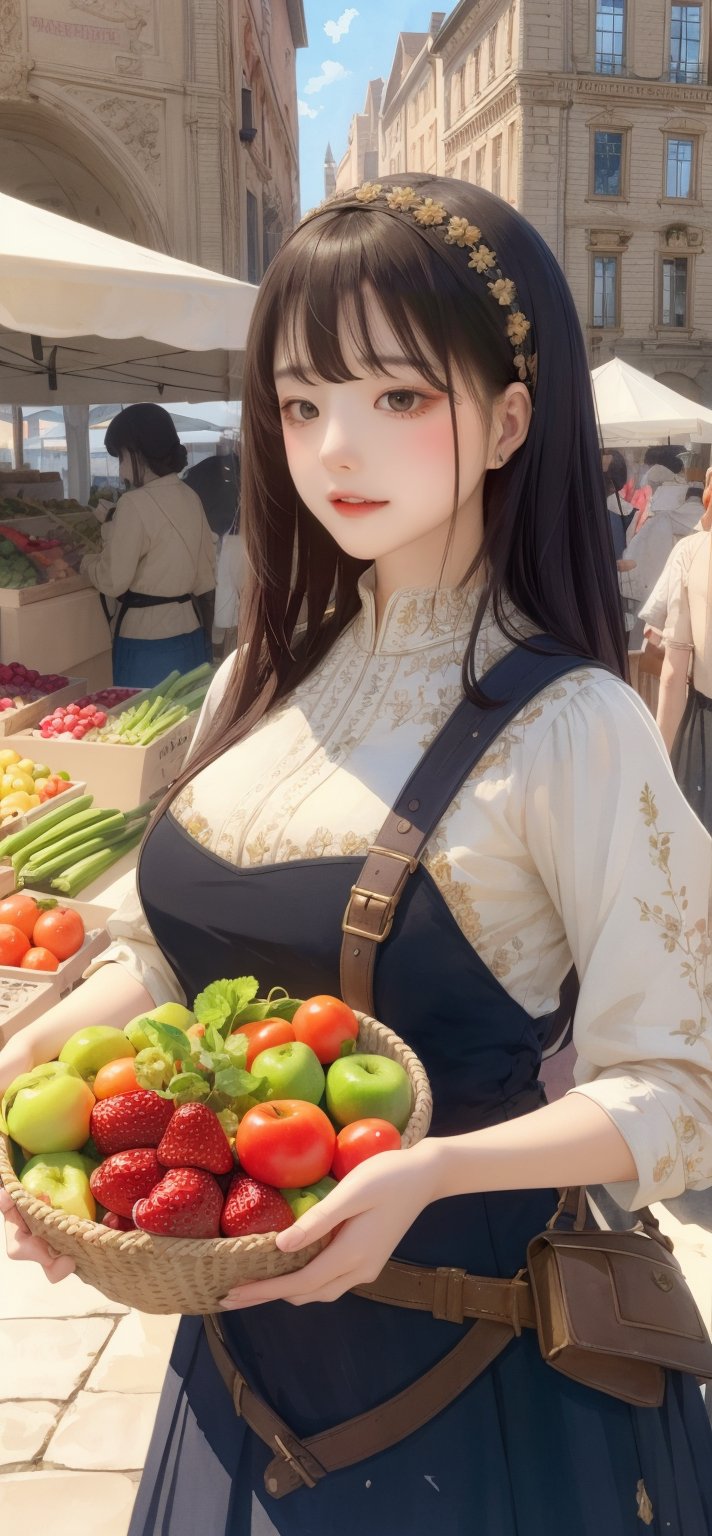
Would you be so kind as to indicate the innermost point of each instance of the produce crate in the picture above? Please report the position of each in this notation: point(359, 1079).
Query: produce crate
point(17, 597)
point(25, 819)
point(122, 777)
point(30, 714)
point(56, 984)
point(22, 1001)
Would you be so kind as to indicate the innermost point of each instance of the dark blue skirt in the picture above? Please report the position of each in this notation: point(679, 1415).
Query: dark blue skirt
point(143, 663)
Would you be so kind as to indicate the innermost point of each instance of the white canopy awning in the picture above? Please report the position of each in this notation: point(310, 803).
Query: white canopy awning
point(635, 411)
point(86, 318)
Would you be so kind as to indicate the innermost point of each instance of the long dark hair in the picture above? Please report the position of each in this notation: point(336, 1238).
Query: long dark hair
point(147, 433)
point(547, 544)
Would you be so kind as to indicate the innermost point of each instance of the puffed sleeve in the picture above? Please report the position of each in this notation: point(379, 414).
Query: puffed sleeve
point(677, 633)
point(627, 866)
point(132, 943)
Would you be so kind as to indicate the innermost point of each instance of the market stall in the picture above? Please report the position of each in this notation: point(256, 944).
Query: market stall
point(88, 319)
point(635, 411)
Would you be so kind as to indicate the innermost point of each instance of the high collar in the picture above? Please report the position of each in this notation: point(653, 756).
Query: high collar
point(414, 619)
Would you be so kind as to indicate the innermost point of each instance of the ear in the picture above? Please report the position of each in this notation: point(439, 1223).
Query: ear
point(511, 419)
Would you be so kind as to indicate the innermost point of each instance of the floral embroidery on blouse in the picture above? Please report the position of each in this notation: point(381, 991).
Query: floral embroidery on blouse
point(678, 934)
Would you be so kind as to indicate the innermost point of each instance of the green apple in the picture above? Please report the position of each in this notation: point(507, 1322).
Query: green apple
point(62, 1178)
point(361, 1087)
point(172, 1014)
point(291, 1071)
point(49, 1109)
point(302, 1200)
point(90, 1049)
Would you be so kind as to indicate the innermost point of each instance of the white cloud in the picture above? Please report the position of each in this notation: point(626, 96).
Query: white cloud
point(330, 72)
point(305, 110)
point(335, 30)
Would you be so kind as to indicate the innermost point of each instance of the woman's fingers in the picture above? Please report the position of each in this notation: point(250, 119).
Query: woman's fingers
point(20, 1244)
point(336, 1265)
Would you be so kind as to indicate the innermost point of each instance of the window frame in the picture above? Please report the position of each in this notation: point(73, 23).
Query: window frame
point(664, 326)
point(480, 165)
point(604, 255)
point(498, 139)
point(700, 75)
point(609, 197)
point(696, 139)
point(610, 74)
point(492, 53)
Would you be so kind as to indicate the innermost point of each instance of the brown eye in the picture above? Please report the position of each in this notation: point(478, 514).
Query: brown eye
point(403, 399)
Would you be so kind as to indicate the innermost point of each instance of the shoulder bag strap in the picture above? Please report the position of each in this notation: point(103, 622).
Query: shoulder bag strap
point(425, 797)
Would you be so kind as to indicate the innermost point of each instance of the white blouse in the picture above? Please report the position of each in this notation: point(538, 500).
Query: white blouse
point(569, 840)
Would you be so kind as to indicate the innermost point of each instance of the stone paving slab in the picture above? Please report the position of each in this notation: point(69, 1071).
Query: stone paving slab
point(24, 1427)
point(104, 1431)
point(66, 1503)
point(136, 1355)
point(45, 1358)
point(25, 1291)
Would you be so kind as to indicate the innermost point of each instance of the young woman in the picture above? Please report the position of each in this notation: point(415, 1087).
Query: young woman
point(422, 494)
point(158, 556)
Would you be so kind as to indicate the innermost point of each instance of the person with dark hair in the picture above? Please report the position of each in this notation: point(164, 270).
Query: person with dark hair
point(423, 783)
point(158, 559)
point(621, 512)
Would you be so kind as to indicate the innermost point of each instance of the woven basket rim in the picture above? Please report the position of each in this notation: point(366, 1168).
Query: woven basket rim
point(93, 1234)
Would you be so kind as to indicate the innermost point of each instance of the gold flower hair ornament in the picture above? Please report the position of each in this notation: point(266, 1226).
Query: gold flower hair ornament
point(432, 215)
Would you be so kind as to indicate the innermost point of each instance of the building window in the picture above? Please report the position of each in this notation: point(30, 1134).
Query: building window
point(607, 164)
point(674, 291)
point(492, 53)
point(253, 260)
point(465, 169)
point(480, 166)
point(497, 165)
point(512, 162)
point(476, 71)
point(605, 292)
point(686, 44)
point(679, 167)
point(610, 37)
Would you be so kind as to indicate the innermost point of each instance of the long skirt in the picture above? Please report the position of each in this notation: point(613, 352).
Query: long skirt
point(143, 663)
point(691, 756)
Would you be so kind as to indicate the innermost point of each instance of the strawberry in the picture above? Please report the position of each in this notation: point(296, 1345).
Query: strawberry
point(124, 1178)
point(196, 1139)
point(129, 1120)
point(118, 1223)
point(186, 1203)
point(254, 1207)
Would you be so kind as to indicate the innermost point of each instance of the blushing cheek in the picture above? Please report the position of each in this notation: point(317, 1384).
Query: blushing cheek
point(431, 447)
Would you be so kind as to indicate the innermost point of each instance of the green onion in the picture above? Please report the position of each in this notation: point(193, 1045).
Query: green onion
point(17, 840)
point(88, 869)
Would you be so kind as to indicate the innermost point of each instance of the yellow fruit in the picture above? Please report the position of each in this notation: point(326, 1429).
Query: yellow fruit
point(34, 800)
point(19, 801)
point(23, 781)
point(6, 784)
point(41, 783)
point(7, 758)
point(26, 765)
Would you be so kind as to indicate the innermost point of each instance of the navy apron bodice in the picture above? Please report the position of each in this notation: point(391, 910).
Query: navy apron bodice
point(282, 924)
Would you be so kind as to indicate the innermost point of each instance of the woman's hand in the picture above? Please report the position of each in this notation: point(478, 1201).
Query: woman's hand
point(17, 1057)
point(369, 1213)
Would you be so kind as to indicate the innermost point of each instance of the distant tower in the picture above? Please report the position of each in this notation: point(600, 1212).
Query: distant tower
point(329, 173)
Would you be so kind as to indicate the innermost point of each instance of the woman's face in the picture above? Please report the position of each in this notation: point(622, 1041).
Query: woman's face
point(374, 458)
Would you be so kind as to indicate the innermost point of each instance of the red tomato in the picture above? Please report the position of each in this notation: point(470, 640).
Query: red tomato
point(13, 944)
point(288, 1143)
point(39, 960)
point(359, 1140)
point(324, 1023)
point(115, 1078)
point(264, 1033)
point(61, 931)
point(21, 911)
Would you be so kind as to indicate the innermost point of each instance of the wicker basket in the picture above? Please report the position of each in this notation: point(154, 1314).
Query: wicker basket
point(190, 1275)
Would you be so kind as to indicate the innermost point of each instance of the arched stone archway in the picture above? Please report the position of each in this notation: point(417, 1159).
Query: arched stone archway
point(683, 384)
point(56, 163)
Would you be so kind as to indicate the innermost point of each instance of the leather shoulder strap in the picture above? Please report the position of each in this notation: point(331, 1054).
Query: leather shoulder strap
point(425, 797)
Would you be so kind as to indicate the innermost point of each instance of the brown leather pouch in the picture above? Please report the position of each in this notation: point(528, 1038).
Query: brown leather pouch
point(614, 1310)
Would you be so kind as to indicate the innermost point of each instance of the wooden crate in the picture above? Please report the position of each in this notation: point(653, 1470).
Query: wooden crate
point(30, 714)
point(119, 777)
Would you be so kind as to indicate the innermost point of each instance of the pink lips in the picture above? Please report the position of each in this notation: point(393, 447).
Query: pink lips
point(355, 509)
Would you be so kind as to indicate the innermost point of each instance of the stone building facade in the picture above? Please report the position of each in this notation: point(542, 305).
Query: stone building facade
point(360, 161)
point(169, 122)
point(608, 106)
point(411, 139)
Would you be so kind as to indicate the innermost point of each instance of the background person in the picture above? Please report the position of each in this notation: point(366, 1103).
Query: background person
point(158, 559)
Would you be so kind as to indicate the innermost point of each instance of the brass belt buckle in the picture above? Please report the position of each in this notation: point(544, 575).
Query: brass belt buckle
point(294, 1463)
point(385, 917)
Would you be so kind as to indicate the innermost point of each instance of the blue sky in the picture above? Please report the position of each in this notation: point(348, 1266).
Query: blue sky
point(333, 72)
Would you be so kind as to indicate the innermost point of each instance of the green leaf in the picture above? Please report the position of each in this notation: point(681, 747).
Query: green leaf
point(236, 1049)
point(188, 1087)
point(254, 1013)
point(153, 1068)
point(221, 1002)
point(173, 1041)
point(235, 1083)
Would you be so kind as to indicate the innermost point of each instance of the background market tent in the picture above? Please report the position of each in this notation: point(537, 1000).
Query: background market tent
point(635, 411)
point(86, 318)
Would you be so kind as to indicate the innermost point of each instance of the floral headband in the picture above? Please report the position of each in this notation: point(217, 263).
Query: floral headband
point(430, 214)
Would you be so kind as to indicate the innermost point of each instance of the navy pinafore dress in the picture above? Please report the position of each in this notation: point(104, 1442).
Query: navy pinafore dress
point(522, 1451)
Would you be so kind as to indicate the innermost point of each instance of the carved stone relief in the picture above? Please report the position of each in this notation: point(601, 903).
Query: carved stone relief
point(14, 76)
point(135, 122)
point(10, 24)
point(133, 15)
